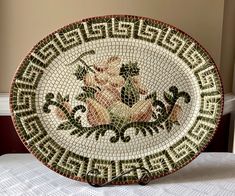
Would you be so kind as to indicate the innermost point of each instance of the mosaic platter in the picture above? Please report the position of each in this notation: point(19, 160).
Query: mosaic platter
point(114, 93)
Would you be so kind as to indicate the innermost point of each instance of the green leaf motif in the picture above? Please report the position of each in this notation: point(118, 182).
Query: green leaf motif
point(154, 115)
point(129, 93)
point(161, 126)
point(186, 96)
point(146, 129)
point(99, 132)
point(65, 126)
point(143, 131)
point(129, 70)
point(168, 125)
point(59, 98)
point(149, 129)
point(137, 130)
point(152, 96)
point(89, 89)
point(169, 99)
point(66, 98)
point(80, 72)
point(89, 92)
point(83, 96)
point(176, 122)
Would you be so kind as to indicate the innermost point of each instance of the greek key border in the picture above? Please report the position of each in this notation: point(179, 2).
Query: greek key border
point(34, 136)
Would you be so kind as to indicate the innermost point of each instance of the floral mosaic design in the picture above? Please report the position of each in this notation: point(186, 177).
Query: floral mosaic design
point(113, 88)
point(114, 99)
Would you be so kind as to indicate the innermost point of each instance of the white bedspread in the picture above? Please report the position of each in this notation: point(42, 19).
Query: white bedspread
point(209, 174)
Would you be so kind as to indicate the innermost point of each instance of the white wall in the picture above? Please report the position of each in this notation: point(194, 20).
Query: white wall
point(25, 22)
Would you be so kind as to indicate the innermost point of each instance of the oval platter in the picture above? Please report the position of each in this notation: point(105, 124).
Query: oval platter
point(113, 93)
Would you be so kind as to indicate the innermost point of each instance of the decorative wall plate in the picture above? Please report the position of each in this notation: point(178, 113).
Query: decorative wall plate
point(116, 92)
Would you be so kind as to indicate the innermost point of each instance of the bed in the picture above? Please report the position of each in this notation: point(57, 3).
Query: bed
point(209, 174)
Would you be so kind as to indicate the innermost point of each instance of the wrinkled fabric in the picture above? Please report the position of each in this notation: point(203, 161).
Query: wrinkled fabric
point(209, 174)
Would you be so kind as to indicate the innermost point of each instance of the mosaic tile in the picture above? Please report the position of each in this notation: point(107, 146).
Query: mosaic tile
point(116, 92)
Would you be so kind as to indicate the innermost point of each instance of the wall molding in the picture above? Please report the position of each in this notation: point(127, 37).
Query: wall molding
point(229, 104)
point(4, 104)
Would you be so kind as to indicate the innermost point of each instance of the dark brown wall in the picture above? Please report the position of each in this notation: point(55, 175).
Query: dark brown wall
point(10, 142)
point(220, 140)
